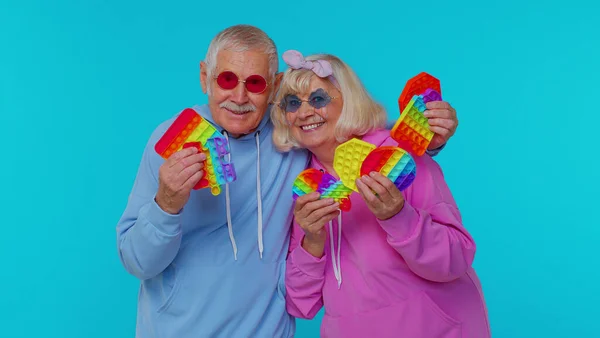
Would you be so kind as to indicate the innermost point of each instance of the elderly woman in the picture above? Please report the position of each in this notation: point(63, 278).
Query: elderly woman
point(402, 265)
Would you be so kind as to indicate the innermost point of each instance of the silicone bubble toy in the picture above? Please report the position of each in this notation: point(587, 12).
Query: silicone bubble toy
point(190, 130)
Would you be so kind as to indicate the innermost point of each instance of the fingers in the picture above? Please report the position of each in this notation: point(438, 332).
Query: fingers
point(188, 172)
point(304, 199)
point(438, 105)
point(439, 109)
point(442, 122)
point(316, 226)
point(381, 191)
point(387, 201)
point(193, 180)
point(185, 162)
point(195, 158)
point(442, 118)
point(443, 132)
point(312, 213)
point(182, 169)
point(313, 205)
point(447, 114)
point(310, 197)
point(366, 193)
point(385, 182)
point(183, 153)
point(320, 213)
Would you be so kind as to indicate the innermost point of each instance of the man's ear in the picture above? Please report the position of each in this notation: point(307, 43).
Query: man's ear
point(276, 83)
point(203, 76)
point(278, 78)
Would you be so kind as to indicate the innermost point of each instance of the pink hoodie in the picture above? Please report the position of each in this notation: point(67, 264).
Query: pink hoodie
point(408, 276)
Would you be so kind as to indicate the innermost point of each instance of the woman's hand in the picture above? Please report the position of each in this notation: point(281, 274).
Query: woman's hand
point(312, 213)
point(381, 195)
point(442, 121)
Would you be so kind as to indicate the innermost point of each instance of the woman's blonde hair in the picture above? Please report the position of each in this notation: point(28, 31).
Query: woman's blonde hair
point(360, 112)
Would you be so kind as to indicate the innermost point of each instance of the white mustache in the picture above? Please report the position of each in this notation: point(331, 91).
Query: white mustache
point(247, 107)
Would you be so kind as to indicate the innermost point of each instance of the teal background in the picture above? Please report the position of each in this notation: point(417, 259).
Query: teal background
point(83, 84)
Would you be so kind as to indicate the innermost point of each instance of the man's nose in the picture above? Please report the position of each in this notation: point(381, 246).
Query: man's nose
point(240, 95)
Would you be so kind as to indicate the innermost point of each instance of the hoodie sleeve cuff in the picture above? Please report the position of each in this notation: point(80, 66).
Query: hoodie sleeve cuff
point(164, 222)
point(403, 226)
point(434, 152)
point(308, 264)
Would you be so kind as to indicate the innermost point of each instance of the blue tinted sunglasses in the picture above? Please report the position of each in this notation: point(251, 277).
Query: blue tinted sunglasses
point(317, 99)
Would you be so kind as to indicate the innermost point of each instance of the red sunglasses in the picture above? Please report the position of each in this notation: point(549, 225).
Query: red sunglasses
point(254, 83)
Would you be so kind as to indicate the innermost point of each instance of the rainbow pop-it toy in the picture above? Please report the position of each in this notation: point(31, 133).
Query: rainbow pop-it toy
point(418, 86)
point(392, 162)
point(190, 130)
point(311, 180)
point(411, 130)
point(353, 159)
point(306, 182)
point(356, 158)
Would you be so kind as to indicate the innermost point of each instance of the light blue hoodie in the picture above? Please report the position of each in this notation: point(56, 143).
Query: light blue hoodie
point(192, 283)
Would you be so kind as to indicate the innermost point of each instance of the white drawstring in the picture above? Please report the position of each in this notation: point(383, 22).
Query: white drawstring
point(259, 196)
point(227, 202)
point(337, 264)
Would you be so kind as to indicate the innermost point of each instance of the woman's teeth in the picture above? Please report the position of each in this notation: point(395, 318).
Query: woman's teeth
point(312, 126)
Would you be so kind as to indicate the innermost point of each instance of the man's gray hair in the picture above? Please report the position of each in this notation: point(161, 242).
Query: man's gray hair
point(241, 38)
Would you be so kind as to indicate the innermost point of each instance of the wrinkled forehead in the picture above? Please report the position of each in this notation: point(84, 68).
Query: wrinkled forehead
point(248, 62)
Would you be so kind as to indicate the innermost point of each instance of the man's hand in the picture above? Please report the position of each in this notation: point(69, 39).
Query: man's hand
point(176, 178)
point(312, 213)
point(381, 195)
point(442, 121)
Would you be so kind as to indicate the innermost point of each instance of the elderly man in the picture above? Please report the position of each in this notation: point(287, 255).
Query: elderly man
point(213, 266)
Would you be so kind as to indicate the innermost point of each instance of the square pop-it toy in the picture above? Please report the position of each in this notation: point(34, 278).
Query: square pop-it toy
point(190, 130)
point(412, 130)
